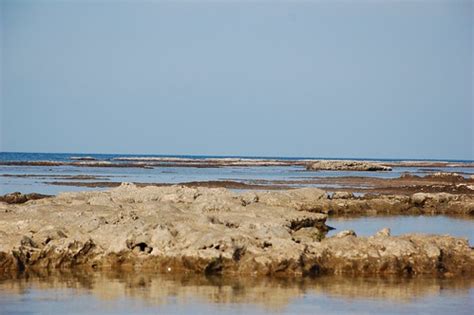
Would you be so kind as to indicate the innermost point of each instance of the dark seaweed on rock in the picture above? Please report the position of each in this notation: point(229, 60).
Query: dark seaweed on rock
point(18, 197)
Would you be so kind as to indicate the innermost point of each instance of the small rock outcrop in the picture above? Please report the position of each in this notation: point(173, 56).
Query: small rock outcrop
point(345, 233)
point(385, 232)
point(18, 197)
point(340, 165)
point(342, 195)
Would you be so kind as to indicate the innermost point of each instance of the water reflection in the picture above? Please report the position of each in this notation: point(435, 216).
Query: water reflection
point(173, 294)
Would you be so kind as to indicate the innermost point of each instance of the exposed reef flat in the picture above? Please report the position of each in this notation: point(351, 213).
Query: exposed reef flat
point(310, 164)
point(406, 184)
point(209, 184)
point(216, 231)
point(429, 164)
point(140, 162)
point(327, 165)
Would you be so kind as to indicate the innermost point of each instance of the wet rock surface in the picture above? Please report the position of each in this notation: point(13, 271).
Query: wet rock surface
point(216, 231)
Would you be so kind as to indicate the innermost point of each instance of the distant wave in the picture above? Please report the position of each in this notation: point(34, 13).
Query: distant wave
point(83, 158)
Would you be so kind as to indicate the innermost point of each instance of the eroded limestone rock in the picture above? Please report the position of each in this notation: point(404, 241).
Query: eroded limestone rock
point(340, 165)
point(345, 233)
point(212, 231)
point(385, 232)
point(342, 195)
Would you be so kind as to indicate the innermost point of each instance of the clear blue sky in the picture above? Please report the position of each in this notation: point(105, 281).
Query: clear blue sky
point(305, 78)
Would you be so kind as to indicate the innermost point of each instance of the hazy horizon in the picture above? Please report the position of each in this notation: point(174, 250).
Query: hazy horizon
point(236, 156)
point(363, 79)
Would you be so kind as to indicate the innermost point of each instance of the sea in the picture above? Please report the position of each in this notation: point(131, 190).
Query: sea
point(39, 179)
point(157, 294)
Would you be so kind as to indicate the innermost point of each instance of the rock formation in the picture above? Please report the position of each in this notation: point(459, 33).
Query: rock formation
point(418, 203)
point(340, 165)
point(18, 197)
point(212, 231)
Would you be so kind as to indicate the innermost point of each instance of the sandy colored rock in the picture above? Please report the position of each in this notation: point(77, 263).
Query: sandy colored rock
point(383, 232)
point(418, 203)
point(196, 228)
point(345, 233)
point(342, 195)
point(209, 231)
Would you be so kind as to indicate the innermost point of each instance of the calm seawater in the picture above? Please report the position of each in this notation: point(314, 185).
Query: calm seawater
point(159, 294)
point(44, 175)
point(151, 294)
point(439, 224)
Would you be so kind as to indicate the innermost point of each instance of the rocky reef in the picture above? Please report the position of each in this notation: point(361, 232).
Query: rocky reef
point(343, 165)
point(215, 231)
point(345, 203)
point(203, 162)
point(18, 197)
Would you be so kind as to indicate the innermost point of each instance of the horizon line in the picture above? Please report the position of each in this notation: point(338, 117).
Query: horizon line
point(248, 156)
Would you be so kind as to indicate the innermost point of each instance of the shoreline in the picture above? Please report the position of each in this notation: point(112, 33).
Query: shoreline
point(407, 184)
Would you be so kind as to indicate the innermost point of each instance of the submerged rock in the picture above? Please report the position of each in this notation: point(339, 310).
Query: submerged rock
point(209, 231)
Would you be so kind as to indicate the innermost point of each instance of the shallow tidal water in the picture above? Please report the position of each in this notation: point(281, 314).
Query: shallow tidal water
point(18, 178)
point(152, 294)
point(44, 175)
point(440, 224)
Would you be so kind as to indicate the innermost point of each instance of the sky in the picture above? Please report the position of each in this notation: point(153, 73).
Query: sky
point(373, 79)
